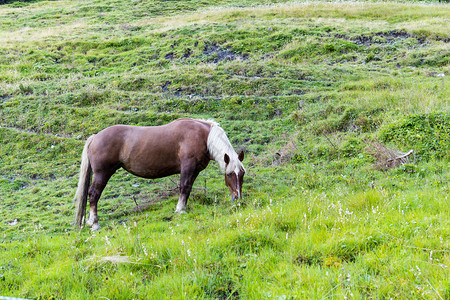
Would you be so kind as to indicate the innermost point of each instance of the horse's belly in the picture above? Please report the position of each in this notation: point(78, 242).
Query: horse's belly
point(152, 169)
point(152, 174)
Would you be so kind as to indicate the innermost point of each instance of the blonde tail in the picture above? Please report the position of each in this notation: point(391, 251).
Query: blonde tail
point(83, 185)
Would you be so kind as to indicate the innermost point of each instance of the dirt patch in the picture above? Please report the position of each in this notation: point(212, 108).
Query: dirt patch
point(169, 56)
point(165, 86)
point(382, 38)
point(211, 53)
point(4, 98)
point(187, 53)
point(216, 54)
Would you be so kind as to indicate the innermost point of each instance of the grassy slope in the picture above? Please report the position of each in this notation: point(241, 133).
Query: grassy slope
point(314, 82)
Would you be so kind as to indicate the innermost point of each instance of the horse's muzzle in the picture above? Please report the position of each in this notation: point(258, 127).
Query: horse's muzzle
point(235, 196)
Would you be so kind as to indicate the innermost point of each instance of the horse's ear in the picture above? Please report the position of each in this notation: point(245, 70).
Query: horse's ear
point(226, 158)
point(241, 156)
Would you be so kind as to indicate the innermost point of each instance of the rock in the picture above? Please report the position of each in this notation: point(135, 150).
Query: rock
point(13, 223)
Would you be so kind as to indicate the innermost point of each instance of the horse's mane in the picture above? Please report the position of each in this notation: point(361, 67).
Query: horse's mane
point(209, 122)
point(219, 145)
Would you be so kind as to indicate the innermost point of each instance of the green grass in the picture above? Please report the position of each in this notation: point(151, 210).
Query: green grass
point(308, 89)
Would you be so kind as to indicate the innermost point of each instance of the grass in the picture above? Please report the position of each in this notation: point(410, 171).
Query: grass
point(306, 88)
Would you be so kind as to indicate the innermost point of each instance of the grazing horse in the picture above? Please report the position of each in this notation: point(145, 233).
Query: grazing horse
point(183, 147)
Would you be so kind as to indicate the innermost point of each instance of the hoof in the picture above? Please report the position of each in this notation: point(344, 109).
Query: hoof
point(180, 211)
point(95, 227)
point(89, 223)
point(92, 221)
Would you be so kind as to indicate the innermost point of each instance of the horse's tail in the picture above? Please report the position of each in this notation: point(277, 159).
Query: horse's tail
point(83, 185)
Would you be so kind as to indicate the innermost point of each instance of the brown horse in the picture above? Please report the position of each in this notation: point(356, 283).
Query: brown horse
point(183, 147)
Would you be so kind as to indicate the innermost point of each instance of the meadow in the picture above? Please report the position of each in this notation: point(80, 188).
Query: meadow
point(319, 94)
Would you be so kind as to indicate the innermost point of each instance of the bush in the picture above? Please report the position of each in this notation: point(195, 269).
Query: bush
point(427, 134)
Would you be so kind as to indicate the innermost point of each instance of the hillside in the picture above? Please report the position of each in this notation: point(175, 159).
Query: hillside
point(319, 94)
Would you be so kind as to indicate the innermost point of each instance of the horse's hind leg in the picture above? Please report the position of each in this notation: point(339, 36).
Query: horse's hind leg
point(95, 191)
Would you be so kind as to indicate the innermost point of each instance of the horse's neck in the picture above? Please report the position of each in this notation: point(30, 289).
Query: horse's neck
point(219, 145)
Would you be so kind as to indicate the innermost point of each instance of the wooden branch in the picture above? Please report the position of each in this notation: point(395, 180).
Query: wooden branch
point(137, 205)
point(398, 160)
point(401, 157)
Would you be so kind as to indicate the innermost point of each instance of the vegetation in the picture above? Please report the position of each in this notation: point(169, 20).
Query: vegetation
point(311, 90)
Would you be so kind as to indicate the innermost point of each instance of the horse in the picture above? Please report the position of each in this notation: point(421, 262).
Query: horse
point(184, 146)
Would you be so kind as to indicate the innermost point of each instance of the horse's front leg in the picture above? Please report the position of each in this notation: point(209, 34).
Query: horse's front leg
point(187, 178)
point(181, 205)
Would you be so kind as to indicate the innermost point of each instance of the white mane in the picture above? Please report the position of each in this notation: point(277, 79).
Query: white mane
point(219, 145)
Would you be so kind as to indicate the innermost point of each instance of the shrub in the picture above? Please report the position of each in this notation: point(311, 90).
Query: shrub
point(428, 134)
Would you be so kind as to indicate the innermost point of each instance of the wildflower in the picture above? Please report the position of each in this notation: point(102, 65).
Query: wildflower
point(419, 271)
point(107, 240)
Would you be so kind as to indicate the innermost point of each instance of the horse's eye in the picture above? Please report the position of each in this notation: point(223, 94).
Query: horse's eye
point(229, 175)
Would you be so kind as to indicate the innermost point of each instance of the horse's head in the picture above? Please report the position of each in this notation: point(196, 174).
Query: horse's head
point(234, 175)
